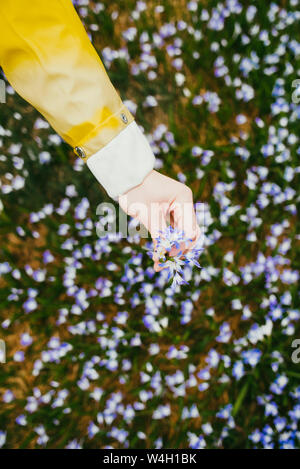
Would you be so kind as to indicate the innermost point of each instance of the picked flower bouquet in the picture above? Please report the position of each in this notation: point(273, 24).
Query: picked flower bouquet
point(171, 250)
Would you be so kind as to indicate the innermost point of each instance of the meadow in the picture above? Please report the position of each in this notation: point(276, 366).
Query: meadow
point(100, 351)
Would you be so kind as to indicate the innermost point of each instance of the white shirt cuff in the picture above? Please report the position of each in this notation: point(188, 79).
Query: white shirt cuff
point(124, 162)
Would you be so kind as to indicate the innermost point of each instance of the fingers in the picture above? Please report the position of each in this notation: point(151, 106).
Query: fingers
point(184, 217)
point(153, 217)
point(163, 197)
point(195, 240)
point(157, 222)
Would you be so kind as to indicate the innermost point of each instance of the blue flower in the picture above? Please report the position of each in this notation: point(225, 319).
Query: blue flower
point(173, 239)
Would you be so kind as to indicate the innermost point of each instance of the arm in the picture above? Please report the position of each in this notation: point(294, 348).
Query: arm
point(48, 58)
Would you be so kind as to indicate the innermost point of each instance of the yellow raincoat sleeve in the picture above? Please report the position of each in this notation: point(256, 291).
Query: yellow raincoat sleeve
point(48, 58)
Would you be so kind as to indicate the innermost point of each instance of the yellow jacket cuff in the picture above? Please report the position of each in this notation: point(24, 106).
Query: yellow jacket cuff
point(124, 162)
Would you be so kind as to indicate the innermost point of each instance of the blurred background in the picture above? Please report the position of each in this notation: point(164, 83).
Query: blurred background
point(97, 350)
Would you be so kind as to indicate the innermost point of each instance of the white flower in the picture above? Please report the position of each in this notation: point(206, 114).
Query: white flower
point(179, 78)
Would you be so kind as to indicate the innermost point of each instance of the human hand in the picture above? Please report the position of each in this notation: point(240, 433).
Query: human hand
point(156, 198)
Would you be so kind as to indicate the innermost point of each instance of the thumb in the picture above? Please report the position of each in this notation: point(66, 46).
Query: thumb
point(185, 220)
